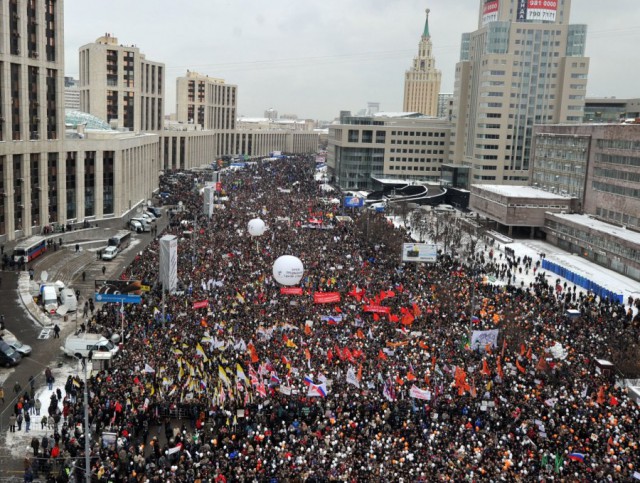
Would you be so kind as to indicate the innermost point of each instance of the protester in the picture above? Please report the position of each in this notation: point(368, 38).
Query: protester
point(383, 383)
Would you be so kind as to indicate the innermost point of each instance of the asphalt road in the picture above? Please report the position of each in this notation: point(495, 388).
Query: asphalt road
point(47, 352)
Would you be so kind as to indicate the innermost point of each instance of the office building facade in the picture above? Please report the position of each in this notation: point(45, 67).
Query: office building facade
point(206, 101)
point(422, 80)
point(524, 65)
point(406, 146)
point(610, 109)
point(119, 84)
point(51, 175)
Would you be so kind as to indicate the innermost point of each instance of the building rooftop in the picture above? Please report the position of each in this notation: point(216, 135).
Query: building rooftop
point(74, 118)
point(601, 226)
point(519, 191)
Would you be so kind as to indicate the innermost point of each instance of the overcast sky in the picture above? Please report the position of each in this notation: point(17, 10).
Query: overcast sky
point(314, 59)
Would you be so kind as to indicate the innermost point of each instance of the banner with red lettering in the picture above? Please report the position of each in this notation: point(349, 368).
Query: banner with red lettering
point(201, 304)
point(326, 297)
point(291, 290)
point(377, 309)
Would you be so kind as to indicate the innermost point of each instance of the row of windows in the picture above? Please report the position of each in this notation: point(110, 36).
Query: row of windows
point(615, 159)
point(413, 168)
point(616, 216)
point(616, 189)
point(416, 160)
point(618, 144)
point(419, 143)
point(587, 237)
point(417, 151)
point(416, 134)
point(633, 177)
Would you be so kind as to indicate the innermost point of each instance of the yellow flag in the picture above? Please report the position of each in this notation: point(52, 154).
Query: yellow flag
point(223, 376)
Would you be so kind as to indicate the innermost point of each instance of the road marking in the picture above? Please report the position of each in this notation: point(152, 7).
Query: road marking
point(44, 334)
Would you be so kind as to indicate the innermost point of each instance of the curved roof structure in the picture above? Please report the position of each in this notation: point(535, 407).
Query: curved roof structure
point(74, 118)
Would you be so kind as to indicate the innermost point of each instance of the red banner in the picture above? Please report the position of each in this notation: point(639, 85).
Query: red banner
point(291, 290)
point(377, 309)
point(201, 304)
point(326, 297)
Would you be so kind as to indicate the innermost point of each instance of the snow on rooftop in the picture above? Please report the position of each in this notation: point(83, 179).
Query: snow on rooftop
point(520, 192)
point(602, 227)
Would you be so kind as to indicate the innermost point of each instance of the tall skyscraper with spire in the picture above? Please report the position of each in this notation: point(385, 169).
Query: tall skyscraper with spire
point(524, 65)
point(422, 81)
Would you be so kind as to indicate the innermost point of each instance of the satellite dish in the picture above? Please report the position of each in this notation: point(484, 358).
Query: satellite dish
point(138, 210)
point(179, 203)
point(44, 276)
point(115, 338)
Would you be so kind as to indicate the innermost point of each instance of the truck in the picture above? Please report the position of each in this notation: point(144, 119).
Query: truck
point(49, 298)
point(80, 344)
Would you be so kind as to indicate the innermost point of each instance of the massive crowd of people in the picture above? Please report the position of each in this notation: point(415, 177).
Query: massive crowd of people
point(383, 382)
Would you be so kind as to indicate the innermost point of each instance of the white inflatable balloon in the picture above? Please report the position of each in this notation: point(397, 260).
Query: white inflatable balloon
point(288, 270)
point(256, 227)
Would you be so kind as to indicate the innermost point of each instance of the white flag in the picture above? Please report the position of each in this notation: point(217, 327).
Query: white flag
point(351, 378)
point(418, 393)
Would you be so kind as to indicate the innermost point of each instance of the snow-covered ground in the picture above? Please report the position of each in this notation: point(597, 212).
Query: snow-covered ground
point(606, 278)
point(19, 443)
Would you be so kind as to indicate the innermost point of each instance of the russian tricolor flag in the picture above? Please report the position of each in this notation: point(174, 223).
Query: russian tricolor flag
point(576, 457)
point(308, 381)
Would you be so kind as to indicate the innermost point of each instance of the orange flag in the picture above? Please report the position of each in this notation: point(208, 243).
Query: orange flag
point(252, 350)
point(416, 310)
point(529, 355)
point(485, 368)
point(399, 381)
point(307, 354)
point(423, 345)
point(410, 377)
point(499, 369)
point(600, 399)
point(520, 368)
point(382, 355)
point(407, 319)
point(307, 329)
point(487, 348)
point(542, 365)
point(359, 334)
point(359, 376)
point(523, 350)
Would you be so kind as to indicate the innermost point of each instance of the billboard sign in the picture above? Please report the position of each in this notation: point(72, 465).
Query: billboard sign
point(490, 11)
point(118, 298)
point(419, 252)
point(353, 202)
point(537, 10)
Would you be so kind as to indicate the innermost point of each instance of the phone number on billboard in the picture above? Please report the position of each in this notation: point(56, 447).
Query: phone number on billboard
point(541, 15)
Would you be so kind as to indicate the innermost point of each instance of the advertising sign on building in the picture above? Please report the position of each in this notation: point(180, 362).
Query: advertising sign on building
point(490, 11)
point(419, 252)
point(537, 10)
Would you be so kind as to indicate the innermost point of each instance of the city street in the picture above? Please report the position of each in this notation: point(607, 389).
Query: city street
point(46, 351)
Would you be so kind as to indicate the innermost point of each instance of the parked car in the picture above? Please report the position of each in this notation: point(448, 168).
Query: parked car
point(8, 356)
point(109, 253)
point(22, 349)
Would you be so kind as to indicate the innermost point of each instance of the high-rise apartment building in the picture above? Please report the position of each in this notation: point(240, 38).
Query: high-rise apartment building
point(71, 94)
point(444, 104)
point(51, 176)
point(524, 65)
point(422, 80)
point(206, 101)
point(119, 84)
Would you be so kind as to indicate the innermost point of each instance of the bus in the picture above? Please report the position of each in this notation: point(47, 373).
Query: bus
point(120, 240)
point(29, 249)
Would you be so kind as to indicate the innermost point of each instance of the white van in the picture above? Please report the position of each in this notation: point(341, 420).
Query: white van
point(49, 298)
point(68, 299)
point(146, 226)
point(109, 253)
point(79, 345)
